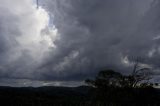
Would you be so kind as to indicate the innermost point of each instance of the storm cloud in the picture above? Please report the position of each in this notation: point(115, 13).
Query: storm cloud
point(25, 38)
point(99, 34)
point(71, 40)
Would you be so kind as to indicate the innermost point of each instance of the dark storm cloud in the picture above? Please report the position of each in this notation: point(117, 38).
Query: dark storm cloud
point(92, 35)
point(96, 34)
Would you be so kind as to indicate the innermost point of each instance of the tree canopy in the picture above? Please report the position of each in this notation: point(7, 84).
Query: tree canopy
point(110, 78)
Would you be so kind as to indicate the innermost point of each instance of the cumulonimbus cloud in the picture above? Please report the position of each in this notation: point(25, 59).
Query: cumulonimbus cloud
point(100, 34)
point(78, 39)
point(25, 38)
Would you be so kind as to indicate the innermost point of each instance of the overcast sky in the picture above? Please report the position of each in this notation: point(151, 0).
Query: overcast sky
point(63, 42)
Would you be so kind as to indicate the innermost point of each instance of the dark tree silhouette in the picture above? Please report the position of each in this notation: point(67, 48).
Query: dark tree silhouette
point(140, 75)
point(106, 78)
point(110, 86)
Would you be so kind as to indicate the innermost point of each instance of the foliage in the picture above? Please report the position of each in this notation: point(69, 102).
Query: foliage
point(139, 77)
point(113, 87)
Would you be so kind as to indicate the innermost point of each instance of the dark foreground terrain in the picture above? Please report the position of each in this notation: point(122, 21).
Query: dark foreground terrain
point(78, 96)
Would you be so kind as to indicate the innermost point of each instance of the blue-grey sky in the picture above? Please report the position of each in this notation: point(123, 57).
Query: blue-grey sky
point(63, 42)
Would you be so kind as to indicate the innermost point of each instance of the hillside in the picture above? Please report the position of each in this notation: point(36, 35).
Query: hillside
point(30, 96)
point(76, 96)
